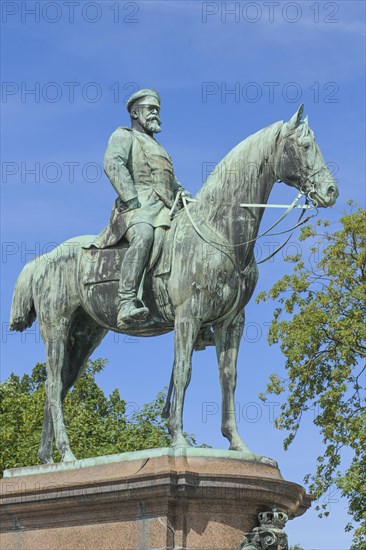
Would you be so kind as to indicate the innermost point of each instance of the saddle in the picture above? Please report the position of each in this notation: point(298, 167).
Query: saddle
point(103, 265)
point(100, 269)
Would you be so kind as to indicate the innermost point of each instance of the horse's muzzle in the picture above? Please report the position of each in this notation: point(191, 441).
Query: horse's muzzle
point(324, 200)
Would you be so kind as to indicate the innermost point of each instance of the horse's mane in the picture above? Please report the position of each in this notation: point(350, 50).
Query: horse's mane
point(252, 152)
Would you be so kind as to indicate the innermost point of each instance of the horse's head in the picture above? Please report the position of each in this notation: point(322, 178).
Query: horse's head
point(302, 165)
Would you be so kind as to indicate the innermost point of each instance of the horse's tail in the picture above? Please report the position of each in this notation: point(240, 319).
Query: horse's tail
point(23, 313)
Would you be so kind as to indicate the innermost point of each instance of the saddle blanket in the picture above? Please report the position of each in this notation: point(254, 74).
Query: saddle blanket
point(103, 265)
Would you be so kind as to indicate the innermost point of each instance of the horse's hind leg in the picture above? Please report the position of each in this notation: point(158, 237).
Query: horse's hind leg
point(57, 358)
point(227, 338)
point(83, 337)
point(185, 334)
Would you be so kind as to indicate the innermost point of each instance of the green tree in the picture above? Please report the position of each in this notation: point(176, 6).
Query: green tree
point(320, 325)
point(97, 425)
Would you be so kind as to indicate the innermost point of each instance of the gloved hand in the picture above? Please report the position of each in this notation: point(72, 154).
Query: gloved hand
point(133, 203)
point(186, 194)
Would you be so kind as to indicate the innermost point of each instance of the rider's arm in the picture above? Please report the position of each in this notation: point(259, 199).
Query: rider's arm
point(177, 186)
point(115, 164)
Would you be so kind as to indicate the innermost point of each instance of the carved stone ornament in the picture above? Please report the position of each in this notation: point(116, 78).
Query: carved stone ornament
point(269, 535)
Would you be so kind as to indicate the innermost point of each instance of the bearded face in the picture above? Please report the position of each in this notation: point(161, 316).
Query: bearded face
point(148, 117)
point(153, 124)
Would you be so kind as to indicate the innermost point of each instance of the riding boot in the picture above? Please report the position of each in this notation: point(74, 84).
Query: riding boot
point(132, 268)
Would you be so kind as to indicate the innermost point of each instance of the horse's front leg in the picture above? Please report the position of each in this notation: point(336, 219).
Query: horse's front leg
point(227, 339)
point(45, 449)
point(186, 329)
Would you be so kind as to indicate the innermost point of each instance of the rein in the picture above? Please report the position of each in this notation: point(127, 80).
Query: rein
point(289, 208)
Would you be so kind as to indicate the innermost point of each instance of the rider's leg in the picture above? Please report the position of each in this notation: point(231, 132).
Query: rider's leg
point(140, 237)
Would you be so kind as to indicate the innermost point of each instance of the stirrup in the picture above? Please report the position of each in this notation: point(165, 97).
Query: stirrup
point(129, 312)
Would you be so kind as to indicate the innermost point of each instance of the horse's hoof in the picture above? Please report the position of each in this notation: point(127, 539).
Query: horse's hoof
point(46, 460)
point(68, 456)
point(180, 443)
point(242, 448)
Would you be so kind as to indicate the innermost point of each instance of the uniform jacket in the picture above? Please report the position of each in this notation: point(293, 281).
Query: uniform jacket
point(138, 167)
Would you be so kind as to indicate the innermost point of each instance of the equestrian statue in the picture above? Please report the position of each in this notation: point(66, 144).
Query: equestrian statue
point(166, 262)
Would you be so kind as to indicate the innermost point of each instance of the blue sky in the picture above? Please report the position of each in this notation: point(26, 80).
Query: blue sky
point(221, 77)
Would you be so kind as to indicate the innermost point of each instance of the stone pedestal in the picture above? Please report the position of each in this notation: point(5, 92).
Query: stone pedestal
point(156, 499)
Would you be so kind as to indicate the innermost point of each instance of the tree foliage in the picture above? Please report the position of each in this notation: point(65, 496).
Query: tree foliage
point(320, 325)
point(96, 424)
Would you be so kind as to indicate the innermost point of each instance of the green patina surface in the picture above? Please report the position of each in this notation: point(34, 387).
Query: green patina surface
point(211, 276)
point(136, 455)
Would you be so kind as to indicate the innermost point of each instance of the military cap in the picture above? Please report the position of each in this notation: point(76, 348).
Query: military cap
point(141, 96)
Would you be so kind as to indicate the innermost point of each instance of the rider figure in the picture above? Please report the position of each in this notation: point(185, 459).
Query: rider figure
point(142, 174)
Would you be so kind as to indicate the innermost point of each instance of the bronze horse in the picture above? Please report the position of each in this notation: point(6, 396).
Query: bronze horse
point(205, 276)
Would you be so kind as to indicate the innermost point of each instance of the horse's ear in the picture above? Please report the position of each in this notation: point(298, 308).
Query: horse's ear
point(306, 120)
point(296, 119)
